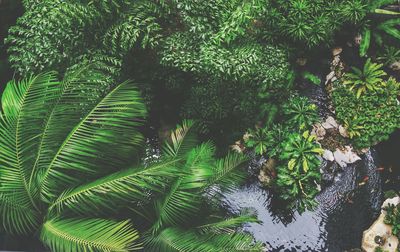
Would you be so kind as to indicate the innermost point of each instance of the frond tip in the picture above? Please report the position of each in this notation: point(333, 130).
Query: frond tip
point(89, 235)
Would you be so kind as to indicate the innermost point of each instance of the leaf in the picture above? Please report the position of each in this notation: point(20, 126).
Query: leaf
point(89, 235)
point(292, 164)
point(121, 187)
point(305, 165)
point(105, 136)
point(365, 42)
point(182, 139)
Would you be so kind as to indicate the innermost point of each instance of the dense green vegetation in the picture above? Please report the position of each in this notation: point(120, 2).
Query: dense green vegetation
point(71, 139)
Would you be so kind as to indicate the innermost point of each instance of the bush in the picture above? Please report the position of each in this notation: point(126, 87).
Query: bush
point(372, 117)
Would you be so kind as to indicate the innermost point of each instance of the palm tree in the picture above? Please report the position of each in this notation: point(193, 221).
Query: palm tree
point(63, 158)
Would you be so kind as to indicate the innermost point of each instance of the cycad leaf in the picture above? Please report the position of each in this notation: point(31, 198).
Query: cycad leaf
point(228, 171)
point(175, 239)
point(227, 225)
point(24, 108)
point(87, 235)
point(17, 217)
point(182, 139)
point(104, 137)
point(112, 190)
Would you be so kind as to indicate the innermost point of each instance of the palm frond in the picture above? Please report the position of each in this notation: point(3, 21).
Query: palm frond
point(227, 171)
point(18, 217)
point(228, 225)
point(87, 235)
point(104, 137)
point(123, 186)
point(176, 239)
point(182, 139)
point(24, 108)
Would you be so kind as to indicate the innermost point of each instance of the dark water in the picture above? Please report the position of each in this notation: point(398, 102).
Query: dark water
point(345, 210)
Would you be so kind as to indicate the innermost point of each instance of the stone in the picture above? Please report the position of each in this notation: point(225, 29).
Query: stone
point(301, 61)
point(343, 131)
point(346, 156)
point(329, 77)
point(318, 131)
point(395, 66)
point(330, 123)
point(267, 172)
point(357, 39)
point(380, 234)
point(328, 155)
point(336, 51)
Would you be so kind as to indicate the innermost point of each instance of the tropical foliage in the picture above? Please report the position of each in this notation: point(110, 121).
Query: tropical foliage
point(298, 180)
point(378, 30)
point(392, 218)
point(372, 117)
point(365, 80)
point(300, 113)
point(55, 139)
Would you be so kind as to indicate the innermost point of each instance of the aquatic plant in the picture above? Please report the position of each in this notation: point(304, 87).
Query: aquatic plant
point(367, 79)
point(300, 112)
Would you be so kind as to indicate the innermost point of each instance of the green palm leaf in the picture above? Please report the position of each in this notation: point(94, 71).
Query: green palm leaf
point(227, 173)
point(182, 139)
point(176, 239)
point(24, 108)
point(105, 136)
point(87, 235)
point(123, 186)
point(227, 225)
point(17, 217)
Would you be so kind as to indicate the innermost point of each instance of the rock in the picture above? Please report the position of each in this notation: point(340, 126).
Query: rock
point(330, 123)
point(357, 39)
point(343, 131)
point(328, 155)
point(336, 51)
point(318, 131)
point(268, 172)
point(346, 156)
point(238, 147)
point(329, 77)
point(395, 66)
point(301, 61)
point(380, 234)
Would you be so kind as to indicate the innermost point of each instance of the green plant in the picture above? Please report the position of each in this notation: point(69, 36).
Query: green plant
point(297, 188)
point(374, 29)
point(389, 55)
point(299, 176)
point(53, 138)
point(392, 218)
point(64, 153)
point(300, 112)
point(367, 79)
point(372, 117)
point(267, 140)
point(353, 127)
point(301, 152)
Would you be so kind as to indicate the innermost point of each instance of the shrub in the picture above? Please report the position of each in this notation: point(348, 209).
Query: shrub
point(392, 218)
point(374, 116)
point(298, 180)
point(367, 79)
point(300, 113)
